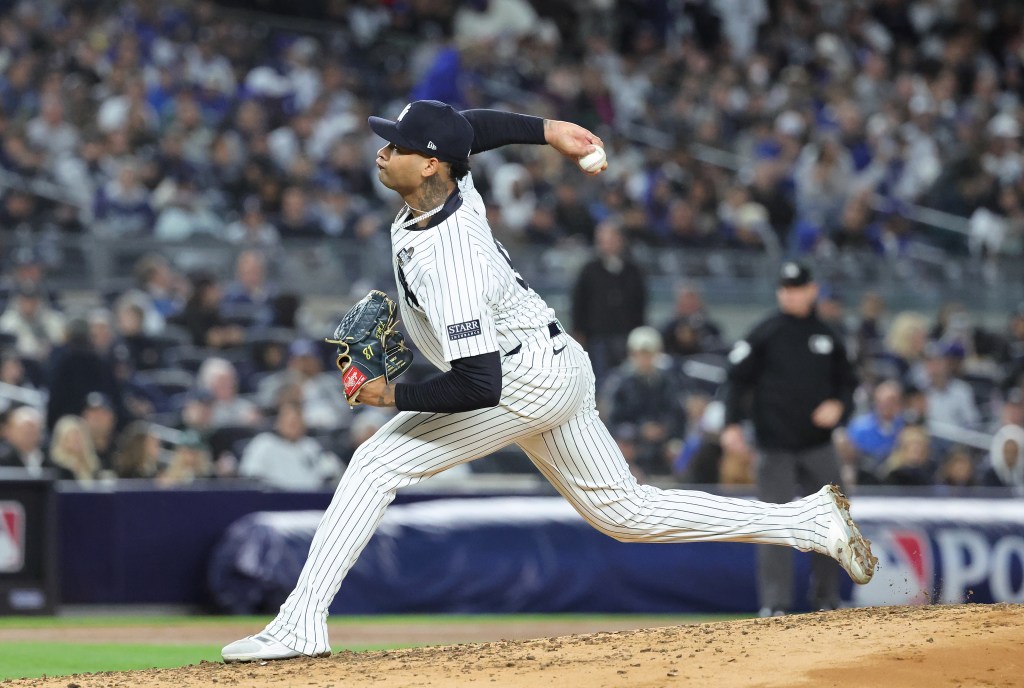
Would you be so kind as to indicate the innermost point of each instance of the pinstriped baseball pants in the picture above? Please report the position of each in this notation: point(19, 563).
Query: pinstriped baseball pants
point(547, 408)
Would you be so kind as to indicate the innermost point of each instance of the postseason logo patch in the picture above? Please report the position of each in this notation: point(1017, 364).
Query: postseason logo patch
point(470, 328)
point(12, 537)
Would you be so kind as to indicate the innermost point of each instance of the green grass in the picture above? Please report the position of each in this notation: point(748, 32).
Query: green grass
point(30, 659)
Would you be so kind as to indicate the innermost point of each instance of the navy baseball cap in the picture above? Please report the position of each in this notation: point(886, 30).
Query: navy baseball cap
point(794, 274)
point(429, 127)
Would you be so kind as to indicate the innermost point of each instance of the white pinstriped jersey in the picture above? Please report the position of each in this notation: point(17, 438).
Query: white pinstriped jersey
point(459, 294)
point(460, 297)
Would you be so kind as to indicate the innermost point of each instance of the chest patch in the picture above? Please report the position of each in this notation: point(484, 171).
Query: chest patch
point(403, 256)
point(820, 344)
point(470, 328)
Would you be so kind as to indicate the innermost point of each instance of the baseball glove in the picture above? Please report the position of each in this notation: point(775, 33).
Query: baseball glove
point(369, 346)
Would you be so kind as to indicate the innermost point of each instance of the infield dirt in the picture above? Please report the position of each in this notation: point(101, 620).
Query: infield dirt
point(963, 645)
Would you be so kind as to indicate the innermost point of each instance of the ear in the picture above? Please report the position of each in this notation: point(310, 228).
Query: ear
point(431, 166)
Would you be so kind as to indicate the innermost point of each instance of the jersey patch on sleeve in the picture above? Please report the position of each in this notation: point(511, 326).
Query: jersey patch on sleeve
point(470, 328)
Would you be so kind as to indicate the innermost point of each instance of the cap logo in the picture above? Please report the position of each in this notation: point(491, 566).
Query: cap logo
point(431, 145)
point(791, 270)
point(404, 111)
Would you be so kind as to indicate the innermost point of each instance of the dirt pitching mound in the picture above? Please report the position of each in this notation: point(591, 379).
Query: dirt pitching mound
point(965, 645)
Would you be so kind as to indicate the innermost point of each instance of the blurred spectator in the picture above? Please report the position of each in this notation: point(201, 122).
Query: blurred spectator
point(697, 433)
point(190, 460)
point(252, 228)
point(869, 331)
point(874, 434)
point(141, 351)
point(910, 462)
point(76, 370)
point(821, 179)
point(854, 468)
point(609, 300)
point(20, 212)
point(1013, 345)
point(122, 206)
point(28, 270)
point(202, 315)
point(957, 468)
point(691, 330)
point(296, 220)
point(197, 413)
point(219, 377)
point(642, 403)
point(138, 452)
point(101, 423)
point(950, 400)
point(21, 441)
point(833, 313)
point(1011, 411)
point(160, 288)
point(712, 463)
point(288, 458)
point(185, 213)
point(320, 393)
point(955, 327)
point(915, 406)
point(541, 229)
point(766, 189)
point(1006, 459)
point(51, 132)
point(513, 194)
point(37, 327)
point(572, 214)
point(249, 297)
point(71, 451)
point(905, 345)
point(493, 22)
point(12, 370)
point(365, 422)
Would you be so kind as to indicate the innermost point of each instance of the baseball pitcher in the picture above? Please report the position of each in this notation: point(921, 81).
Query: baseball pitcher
point(509, 374)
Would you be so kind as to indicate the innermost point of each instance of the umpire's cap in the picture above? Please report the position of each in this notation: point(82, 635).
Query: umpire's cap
point(794, 274)
point(429, 127)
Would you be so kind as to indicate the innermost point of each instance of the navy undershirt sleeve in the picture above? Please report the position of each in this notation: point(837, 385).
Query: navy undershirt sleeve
point(494, 129)
point(473, 383)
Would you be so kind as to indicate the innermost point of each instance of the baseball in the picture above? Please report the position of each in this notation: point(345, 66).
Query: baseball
point(592, 162)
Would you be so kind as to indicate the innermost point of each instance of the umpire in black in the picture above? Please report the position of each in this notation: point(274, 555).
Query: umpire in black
point(792, 374)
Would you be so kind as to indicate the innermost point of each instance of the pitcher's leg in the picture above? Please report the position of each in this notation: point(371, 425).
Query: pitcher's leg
point(408, 449)
point(776, 482)
point(817, 467)
point(582, 461)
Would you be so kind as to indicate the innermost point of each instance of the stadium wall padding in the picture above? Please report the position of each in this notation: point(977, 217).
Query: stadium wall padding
point(240, 551)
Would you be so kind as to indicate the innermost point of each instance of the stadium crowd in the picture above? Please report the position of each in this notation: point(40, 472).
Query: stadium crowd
point(826, 122)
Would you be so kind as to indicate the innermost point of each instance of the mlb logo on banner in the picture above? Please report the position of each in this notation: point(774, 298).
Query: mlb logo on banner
point(12, 537)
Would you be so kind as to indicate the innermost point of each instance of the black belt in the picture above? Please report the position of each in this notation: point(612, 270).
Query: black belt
point(553, 331)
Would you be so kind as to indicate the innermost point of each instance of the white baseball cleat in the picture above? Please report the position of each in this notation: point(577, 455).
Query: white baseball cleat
point(259, 648)
point(844, 542)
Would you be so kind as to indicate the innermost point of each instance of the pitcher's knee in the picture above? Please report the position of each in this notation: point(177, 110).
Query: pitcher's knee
point(364, 465)
point(625, 526)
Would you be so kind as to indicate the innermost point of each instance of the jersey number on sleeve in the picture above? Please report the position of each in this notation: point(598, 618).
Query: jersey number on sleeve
point(508, 259)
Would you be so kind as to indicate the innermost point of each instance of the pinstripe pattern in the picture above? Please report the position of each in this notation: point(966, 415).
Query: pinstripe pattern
point(547, 408)
point(457, 273)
